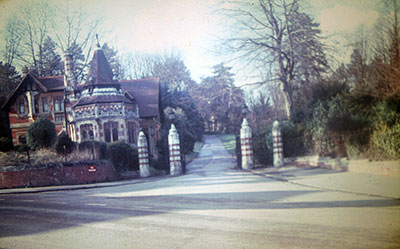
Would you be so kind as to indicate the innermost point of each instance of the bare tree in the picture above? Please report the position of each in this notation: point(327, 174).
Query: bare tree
point(69, 26)
point(138, 65)
point(277, 38)
point(12, 40)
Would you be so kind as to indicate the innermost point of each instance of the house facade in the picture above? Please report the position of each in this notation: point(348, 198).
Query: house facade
point(101, 108)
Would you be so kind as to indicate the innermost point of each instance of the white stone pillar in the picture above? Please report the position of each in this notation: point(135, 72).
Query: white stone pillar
point(174, 152)
point(277, 144)
point(246, 145)
point(143, 156)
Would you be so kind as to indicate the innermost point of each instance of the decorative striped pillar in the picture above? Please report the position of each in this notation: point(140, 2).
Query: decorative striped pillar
point(143, 156)
point(277, 145)
point(174, 152)
point(246, 144)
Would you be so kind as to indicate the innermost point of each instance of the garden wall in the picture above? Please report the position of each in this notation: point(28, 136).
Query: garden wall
point(387, 168)
point(57, 174)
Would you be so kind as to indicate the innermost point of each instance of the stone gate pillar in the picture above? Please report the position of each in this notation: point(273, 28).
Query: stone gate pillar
point(277, 144)
point(246, 144)
point(174, 152)
point(143, 155)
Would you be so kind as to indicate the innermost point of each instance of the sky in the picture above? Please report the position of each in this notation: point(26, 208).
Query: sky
point(191, 26)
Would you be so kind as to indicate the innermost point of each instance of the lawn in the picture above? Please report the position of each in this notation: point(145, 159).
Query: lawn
point(229, 142)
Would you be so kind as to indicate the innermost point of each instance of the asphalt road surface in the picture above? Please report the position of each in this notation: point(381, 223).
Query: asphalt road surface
point(213, 206)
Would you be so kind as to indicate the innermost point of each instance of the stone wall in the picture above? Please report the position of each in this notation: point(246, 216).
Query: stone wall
point(387, 168)
point(12, 177)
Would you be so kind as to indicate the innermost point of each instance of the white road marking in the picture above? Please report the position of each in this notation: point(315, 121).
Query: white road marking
point(96, 204)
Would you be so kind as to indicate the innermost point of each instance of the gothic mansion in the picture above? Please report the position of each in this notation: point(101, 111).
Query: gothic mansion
point(101, 108)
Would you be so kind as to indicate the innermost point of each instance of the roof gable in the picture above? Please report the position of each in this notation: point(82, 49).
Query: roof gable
point(27, 84)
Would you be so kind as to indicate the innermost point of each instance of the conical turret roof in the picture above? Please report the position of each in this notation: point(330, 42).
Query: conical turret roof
point(100, 73)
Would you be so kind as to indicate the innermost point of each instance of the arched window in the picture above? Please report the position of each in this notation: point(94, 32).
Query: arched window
point(86, 132)
point(107, 134)
point(115, 134)
point(131, 132)
point(111, 131)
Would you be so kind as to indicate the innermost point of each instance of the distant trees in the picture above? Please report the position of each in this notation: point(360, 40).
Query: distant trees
point(36, 34)
point(219, 101)
point(9, 79)
point(177, 103)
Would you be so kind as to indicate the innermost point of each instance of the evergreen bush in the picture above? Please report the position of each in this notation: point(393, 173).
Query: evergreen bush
point(388, 139)
point(98, 149)
point(262, 146)
point(6, 144)
point(293, 138)
point(42, 133)
point(123, 156)
point(64, 145)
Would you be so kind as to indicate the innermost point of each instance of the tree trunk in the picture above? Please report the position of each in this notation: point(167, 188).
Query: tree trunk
point(287, 97)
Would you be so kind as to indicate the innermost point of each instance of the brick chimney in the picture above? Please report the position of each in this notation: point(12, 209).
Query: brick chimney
point(69, 79)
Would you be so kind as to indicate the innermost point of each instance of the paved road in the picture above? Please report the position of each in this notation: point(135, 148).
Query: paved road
point(213, 206)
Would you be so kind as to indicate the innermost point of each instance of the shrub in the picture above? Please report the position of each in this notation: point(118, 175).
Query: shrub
point(262, 146)
point(123, 156)
point(24, 148)
point(388, 139)
point(97, 149)
point(293, 138)
point(42, 134)
point(44, 156)
point(64, 145)
point(6, 144)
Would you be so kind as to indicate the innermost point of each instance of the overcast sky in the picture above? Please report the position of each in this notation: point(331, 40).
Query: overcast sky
point(190, 26)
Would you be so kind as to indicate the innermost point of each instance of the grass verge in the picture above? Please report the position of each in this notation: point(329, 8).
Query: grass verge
point(229, 142)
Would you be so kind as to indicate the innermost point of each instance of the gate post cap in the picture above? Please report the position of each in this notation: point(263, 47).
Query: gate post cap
point(245, 122)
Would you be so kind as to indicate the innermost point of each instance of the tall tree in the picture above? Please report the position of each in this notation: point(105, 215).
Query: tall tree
point(51, 63)
point(9, 78)
point(12, 40)
point(173, 72)
point(177, 103)
point(278, 38)
point(28, 29)
point(138, 65)
point(79, 61)
point(219, 101)
point(114, 60)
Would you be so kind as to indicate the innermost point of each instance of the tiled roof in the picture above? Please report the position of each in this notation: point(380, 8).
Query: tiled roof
point(87, 100)
point(100, 72)
point(53, 83)
point(146, 93)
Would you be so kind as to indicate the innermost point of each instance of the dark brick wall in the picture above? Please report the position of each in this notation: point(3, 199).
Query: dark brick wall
point(59, 175)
